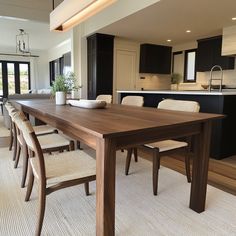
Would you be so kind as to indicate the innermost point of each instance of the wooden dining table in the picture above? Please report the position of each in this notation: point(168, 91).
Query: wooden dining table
point(119, 126)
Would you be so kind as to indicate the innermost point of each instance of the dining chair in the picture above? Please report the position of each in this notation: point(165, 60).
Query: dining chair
point(39, 130)
point(165, 147)
point(55, 172)
point(105, 97)
point(1, 103)
point(133, 101)
point(10, 108)
point(49, 143)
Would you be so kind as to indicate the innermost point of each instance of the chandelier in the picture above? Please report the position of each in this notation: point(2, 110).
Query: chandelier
point(22, 42)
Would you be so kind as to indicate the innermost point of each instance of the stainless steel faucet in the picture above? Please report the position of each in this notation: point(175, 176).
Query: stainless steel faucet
point(211, 77)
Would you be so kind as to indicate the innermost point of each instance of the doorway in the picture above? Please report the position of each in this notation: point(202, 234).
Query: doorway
point(14, 77)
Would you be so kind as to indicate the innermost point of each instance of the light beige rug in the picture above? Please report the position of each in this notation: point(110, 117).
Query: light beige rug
point(4, 132)
point(138, 212)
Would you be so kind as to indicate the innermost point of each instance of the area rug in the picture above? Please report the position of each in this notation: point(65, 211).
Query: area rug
point(138, 212)
point(4, 132)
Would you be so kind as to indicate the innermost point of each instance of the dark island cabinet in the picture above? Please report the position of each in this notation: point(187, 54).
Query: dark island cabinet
point(155, 59)
point(100, 64)
point(209, 54)
point(223, 131)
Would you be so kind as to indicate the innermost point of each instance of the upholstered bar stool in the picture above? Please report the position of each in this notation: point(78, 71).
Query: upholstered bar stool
point(161, 148)
point(49, 143)
point(54, 173)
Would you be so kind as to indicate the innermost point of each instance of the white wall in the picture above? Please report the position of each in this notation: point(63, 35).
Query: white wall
point(150, 81)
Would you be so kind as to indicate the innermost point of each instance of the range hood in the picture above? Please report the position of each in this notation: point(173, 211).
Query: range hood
point(229, 41)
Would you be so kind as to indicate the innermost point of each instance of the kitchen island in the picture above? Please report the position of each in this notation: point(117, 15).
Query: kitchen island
point(223, 141)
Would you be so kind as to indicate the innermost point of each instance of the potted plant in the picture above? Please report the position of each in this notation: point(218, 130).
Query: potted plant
point(59, 89)
point(175, 80)
point(72, 85)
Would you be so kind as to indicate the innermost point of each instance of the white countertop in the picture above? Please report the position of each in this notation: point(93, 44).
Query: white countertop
point(189, 92)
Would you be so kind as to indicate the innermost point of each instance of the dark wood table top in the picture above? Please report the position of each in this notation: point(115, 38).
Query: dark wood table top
point(119, 126)
point(115, 120)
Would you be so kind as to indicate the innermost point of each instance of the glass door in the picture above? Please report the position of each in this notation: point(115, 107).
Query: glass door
point(24, 74)
point(11, 78)
point(14, 77)
point(1, 81)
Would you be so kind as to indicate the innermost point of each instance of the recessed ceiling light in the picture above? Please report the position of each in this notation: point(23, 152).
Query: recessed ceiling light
point(233, 18)
point(168, 40)
point(188, 31)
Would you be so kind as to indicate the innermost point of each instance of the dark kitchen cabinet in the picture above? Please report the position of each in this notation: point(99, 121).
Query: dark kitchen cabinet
point(100, 64)
point(223, 131)
point(155, 59)
point(209, 54)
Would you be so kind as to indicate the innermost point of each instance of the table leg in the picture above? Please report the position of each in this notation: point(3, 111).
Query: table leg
point(105, 187)
point(200, 168)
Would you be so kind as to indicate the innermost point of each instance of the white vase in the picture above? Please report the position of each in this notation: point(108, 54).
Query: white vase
point(174, 86)
point(74, 94)
point(60, 98)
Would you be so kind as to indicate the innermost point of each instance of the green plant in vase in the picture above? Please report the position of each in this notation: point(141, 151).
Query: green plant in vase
point(60, 89)
point(73, 87)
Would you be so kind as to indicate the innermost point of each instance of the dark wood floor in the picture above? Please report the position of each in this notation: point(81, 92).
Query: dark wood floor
point(222, 173)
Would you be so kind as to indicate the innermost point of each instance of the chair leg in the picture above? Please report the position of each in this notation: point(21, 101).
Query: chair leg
point(79, 145)
point(11, 138)
point(14, 145)
point(72, 146)
point(25, 166)
point(187, 164)
point(128, 160)
point(18, 151)
point(135, 154)
point(42, 204)
point(30, 185)
point(155, 169)
point(86, 188)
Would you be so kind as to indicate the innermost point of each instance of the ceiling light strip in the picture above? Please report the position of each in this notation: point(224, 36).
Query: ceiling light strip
point(72, 12)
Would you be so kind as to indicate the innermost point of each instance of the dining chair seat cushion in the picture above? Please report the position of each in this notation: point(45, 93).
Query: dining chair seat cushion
point(52, 141)
point(43, 129)
point(66, 166)
point(167, 145)
point(83, 103)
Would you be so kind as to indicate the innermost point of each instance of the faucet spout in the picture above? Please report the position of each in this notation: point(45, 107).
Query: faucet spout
point(220, 78)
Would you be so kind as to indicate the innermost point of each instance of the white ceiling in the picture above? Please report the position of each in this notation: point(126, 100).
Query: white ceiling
point(37, 10)
point(169, 19)
point(39, 34)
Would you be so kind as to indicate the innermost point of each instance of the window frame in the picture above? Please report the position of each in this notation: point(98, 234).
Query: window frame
point(186, 52)
point(16, 73)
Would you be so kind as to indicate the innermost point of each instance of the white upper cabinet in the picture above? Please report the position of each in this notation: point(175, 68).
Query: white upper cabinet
point(229, 41)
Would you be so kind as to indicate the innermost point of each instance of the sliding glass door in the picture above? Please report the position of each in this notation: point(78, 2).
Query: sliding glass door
point(1, 81)
point(14, 77)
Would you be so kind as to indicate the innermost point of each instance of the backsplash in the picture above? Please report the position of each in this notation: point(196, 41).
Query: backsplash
point(229, 77)
point(153, 82)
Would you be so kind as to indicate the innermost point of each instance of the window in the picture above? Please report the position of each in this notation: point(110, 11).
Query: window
point(14, 77)
point(189, 66)
point(60, 66)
